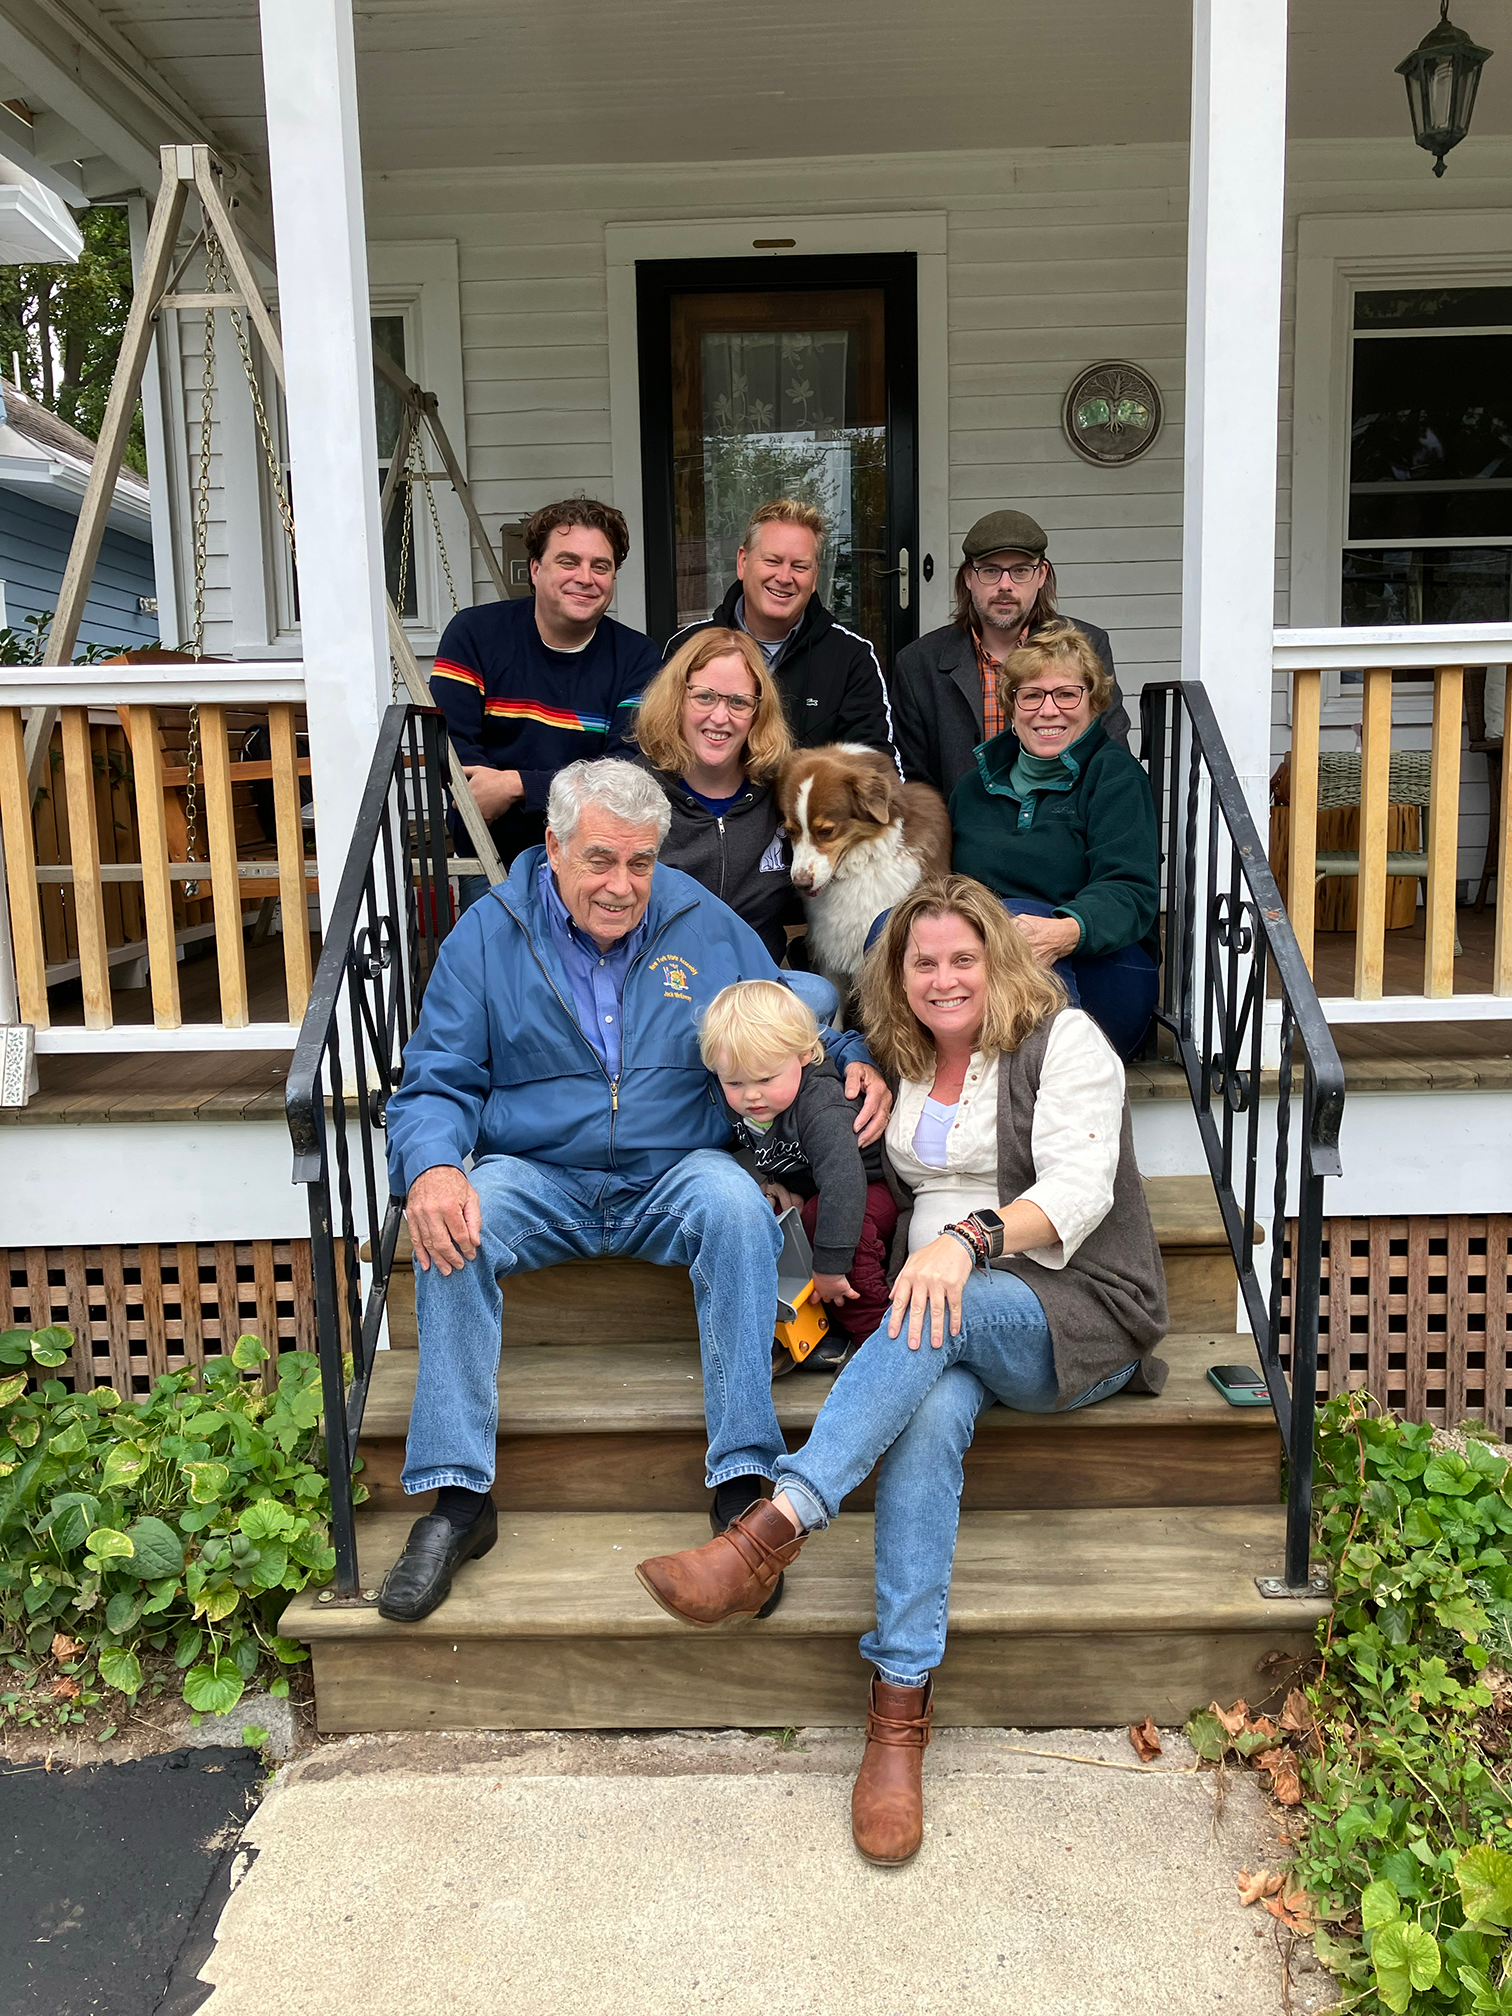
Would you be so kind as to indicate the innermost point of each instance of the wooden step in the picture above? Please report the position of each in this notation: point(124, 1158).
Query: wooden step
point(632, 1302)
point(604, 1428)
point(1057, 1618)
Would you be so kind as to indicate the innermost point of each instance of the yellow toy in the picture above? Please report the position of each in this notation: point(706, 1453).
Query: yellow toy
point(801, 1321)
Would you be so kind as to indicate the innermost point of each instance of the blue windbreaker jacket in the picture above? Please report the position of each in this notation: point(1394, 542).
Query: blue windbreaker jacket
point(499, 1065)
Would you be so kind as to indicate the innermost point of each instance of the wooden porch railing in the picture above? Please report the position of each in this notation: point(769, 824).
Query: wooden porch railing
point(1442, 654)
point(131, 890)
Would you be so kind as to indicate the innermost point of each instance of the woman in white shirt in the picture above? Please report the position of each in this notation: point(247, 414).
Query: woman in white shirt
point(1032, 1277)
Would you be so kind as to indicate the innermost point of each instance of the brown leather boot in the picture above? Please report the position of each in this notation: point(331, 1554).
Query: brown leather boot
point(730, 1576)
point(887, 1805)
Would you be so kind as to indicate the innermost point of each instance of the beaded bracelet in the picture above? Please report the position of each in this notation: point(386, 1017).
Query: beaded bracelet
point(973, 1238)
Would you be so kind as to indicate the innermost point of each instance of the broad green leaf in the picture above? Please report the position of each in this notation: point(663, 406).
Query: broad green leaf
point(123, 1465)
point(207, 1481)
point(289, 1651)
point(15, 1347)
point(186, 1646)
point(1379, 1905)
point(254, 1735)
point(194, 1518)
point(70, 1518)
point(1462, 1614)
point(70, 1441)
point(51, 1346)
point(272, 1565)
point(1395, 1623)
point(247, 1352)
point(123, 1610)
point(1419, 1527)
point(159, 1553)
point(12, 1388)
point(121, 1669)
point(214, 1690)
point(107, 1545)
point(1207, 1735)
point(1484, 1876)
point(266, 1520)
point(219, 1603)
point(25, 1432)
point(1448, 1476)
point(1405, 1956)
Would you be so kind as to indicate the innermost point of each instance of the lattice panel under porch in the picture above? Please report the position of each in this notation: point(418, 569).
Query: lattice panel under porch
point(1418, 1313)
point(129, 1313)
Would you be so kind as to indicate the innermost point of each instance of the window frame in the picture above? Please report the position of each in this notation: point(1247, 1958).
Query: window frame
point(1337, 258)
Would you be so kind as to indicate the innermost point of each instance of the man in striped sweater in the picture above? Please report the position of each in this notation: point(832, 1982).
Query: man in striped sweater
point(528, 687)
point(831, 684)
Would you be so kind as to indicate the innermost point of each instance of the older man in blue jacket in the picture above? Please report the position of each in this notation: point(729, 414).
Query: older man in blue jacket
point(558, 1049)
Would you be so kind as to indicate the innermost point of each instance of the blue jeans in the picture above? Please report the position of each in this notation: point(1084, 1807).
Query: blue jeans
point(1118, 990)
point(917, 1411)
point(705, 1214)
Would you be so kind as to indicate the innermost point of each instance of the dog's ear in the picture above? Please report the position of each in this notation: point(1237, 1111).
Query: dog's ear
point(873, 792)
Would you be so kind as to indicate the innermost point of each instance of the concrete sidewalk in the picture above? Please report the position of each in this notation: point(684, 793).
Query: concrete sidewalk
point(652, 1876)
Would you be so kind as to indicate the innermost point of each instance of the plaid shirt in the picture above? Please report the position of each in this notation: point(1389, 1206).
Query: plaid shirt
point(994, 720)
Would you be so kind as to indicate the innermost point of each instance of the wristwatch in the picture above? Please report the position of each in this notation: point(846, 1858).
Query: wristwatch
point(990, 1224)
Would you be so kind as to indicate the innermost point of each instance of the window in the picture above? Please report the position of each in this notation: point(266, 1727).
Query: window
point(1428, 533)
point(1401, 448)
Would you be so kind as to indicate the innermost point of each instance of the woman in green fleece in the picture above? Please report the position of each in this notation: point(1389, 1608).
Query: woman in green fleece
point(1060, 822)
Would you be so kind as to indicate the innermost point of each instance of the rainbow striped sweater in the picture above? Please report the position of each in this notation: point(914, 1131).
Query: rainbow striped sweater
point(513, 702)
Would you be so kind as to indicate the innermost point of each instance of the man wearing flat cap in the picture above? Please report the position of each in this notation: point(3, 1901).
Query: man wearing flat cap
point(944, 687)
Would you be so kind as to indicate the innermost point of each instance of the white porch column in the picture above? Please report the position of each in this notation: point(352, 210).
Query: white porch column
point(310, 81)
point(1234, 235)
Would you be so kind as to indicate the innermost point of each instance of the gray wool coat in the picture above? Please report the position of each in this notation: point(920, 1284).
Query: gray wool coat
point(1108, 1303)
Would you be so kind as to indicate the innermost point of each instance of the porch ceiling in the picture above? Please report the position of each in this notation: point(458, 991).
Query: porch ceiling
point(486, 83)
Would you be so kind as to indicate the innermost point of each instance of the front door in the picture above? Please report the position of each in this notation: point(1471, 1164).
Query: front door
point(764, 378)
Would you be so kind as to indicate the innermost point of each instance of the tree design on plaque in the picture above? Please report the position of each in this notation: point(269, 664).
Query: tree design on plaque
point(1112, 413)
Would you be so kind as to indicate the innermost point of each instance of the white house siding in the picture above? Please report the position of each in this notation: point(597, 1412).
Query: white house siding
point(1056, 257)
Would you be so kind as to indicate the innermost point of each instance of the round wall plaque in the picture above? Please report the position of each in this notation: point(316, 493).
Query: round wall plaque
point(1112, 412)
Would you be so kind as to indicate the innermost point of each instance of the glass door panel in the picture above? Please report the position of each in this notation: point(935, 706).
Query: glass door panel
point(766, 378)
point(781, 395)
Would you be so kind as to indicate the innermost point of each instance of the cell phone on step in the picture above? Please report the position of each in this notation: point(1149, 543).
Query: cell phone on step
point(1241, 1385)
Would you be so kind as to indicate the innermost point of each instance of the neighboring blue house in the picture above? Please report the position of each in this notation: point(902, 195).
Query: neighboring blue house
point(44, 466)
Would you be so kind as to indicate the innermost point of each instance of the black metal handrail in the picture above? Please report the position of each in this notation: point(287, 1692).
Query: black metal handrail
point(392, 911)
point(1228, 942)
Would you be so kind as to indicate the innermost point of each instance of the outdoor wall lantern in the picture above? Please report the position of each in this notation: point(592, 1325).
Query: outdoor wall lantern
point(1442, 74)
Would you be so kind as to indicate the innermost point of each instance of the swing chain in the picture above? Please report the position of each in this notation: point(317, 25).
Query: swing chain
point(406, 530)
point(201, 563)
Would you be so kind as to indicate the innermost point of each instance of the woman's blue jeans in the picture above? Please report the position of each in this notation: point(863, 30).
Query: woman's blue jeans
point(917, 1412)
point(1118, 990)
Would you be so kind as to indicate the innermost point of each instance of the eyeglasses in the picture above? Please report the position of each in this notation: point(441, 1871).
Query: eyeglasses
point(1030, 699)
point(989, 573)
point(705, 699)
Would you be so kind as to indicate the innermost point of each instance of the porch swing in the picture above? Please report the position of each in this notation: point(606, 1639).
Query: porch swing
point(229, 284)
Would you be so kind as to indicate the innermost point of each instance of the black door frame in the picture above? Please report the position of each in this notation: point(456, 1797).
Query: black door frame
point(657, 280)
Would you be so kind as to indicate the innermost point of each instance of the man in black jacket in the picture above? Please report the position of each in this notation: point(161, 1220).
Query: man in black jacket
point(830, 681)
point(944, 687)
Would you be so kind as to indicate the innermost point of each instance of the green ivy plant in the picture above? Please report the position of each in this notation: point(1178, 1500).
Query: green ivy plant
point(1407, 1855)
point(181, 1521)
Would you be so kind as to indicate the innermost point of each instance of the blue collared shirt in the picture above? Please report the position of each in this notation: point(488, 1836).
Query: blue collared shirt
point(597, 978)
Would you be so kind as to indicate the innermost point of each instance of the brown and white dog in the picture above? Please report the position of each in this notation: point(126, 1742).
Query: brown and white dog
point(861, 840)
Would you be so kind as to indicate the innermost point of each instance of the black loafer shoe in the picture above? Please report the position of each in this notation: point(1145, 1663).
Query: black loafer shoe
point(422, 1576)
point(718, 1525)
point(831, 1354)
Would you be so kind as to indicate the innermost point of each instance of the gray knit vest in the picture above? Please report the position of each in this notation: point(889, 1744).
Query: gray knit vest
point(1108, 1303)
